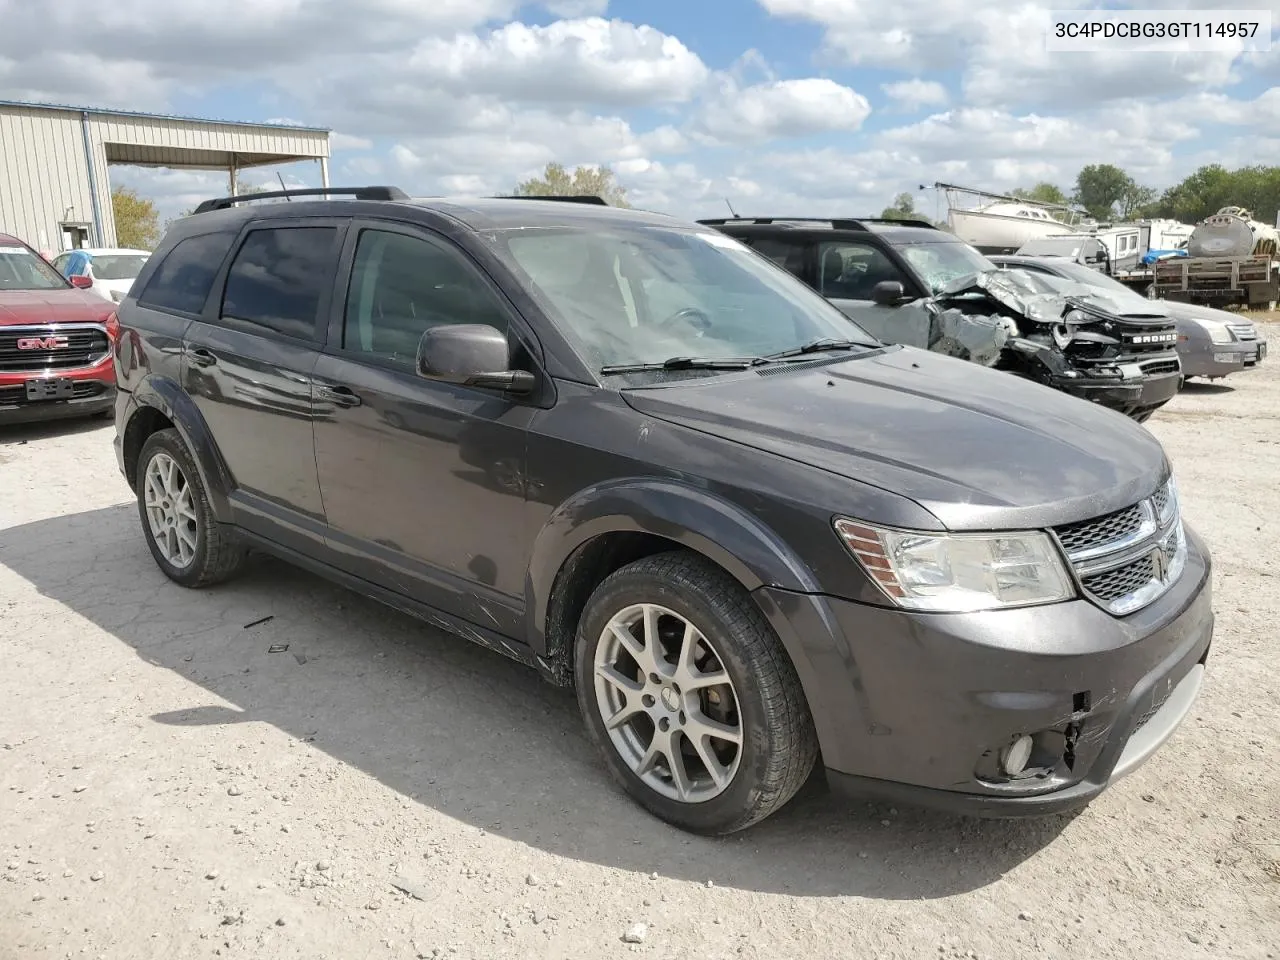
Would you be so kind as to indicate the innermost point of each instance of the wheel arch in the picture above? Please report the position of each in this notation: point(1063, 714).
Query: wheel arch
point(161, 403)
point(610, 525)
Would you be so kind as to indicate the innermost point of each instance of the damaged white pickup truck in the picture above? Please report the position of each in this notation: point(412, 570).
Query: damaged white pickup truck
point(908, 282)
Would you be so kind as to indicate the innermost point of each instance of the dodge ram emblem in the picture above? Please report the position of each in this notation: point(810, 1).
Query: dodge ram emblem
point(1160, 563)
point(43, 343)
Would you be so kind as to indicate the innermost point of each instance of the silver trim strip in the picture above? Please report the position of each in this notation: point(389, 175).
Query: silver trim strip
point(1161, 726)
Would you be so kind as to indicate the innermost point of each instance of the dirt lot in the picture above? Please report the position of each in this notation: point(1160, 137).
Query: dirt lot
point(170, 787)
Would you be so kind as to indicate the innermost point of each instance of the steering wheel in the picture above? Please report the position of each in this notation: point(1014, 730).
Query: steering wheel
point(696, 318)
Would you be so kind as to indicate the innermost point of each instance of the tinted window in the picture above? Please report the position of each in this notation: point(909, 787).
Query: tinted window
point(278, 277)
point(184, 278)
point(850, 271)
point(787, 254)
point(401, 286)
point(118, 266)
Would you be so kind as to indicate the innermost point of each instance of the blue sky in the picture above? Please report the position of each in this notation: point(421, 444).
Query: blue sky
point(792, 106)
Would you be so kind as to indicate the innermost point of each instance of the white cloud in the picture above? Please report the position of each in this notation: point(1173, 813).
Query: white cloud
point(571, 61)
point(911, 95)
point(782, 108)
point(578, 8)
point(344, 141)
point(999, 45)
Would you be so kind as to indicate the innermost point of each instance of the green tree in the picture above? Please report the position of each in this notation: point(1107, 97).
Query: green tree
point(584, 181)
point(902, 208)
point(1042, 192)
point(1101, 188)
point(137, 221)
point(1213, 187)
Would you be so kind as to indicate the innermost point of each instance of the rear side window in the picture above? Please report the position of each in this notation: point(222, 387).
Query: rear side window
point(785, 253)
point(278, 278)
point(182, 281)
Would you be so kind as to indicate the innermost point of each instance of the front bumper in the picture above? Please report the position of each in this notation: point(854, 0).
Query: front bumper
point(1214, 360)
point(93, 389)
point(1127, 396)
point(915, 708)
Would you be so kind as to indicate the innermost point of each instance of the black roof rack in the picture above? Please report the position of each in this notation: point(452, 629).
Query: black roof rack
point(359, 193)
point(837, 223)
point(584, 198)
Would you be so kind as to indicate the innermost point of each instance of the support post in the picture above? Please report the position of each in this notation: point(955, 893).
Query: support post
point(324, 172)
point(231, 172)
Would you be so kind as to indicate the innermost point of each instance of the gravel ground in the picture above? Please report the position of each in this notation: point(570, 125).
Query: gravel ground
point(339, 781)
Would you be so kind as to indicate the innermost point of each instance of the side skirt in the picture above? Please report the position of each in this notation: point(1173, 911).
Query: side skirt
point(513, 649)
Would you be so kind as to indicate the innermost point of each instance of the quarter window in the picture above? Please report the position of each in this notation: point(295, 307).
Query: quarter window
point(402, 286)
point(184, 278)
point(278, 278)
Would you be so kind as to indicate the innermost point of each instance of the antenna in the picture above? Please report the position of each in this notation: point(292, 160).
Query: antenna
point(287, 198)
point(730, 206)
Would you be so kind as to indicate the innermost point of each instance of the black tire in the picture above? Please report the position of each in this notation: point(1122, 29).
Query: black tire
point(779, 743)
point(217, 555)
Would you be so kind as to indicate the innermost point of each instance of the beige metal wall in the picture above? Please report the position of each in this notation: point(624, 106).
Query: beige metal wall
point(44, 169)
point(42, 173)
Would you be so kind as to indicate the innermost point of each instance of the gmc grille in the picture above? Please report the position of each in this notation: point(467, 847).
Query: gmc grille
point(84, 346)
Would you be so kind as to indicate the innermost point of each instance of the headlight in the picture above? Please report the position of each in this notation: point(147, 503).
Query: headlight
point(958, 573)
point(1218, 332)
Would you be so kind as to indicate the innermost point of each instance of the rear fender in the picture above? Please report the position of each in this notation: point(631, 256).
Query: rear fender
point(167, 396)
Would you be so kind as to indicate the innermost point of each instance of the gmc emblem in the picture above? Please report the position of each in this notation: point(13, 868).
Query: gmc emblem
point(43, 343)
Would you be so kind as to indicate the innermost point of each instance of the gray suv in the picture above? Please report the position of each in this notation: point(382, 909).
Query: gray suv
point(629, 452)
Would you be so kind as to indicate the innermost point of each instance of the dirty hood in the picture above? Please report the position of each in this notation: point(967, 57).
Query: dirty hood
point(978, 448)
point(1011, 291)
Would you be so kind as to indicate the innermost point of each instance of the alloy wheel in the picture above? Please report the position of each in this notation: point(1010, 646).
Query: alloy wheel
point(668, 704)
point(171, 510)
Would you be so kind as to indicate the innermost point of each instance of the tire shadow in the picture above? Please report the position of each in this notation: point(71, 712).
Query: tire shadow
point(467, 732)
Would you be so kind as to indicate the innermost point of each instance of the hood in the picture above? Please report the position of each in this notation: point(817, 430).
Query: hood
point(978, 448)
point(1009, 289)
point(1194, 311)
point(52, 306)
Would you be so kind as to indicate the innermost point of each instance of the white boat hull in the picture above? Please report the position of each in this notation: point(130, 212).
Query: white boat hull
point(1000, 232)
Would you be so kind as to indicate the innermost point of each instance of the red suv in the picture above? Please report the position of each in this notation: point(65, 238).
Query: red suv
point(56, 342)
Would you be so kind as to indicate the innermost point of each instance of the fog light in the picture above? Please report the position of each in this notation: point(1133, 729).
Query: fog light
point(1013, 759)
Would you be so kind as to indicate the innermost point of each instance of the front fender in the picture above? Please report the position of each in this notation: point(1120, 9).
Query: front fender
point(167, 396)
point(687, 515)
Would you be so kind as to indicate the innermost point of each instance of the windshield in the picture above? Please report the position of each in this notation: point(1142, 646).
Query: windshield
point(118, 266)
point(629, 294)
point(21, 269)
point(942, 262)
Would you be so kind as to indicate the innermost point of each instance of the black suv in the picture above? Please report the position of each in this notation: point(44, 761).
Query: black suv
point(908, 282)
point(629, 452)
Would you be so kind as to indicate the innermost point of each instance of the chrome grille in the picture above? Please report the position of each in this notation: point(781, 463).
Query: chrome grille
point(79, 345)
point(1104, 530)
point(1128, 559)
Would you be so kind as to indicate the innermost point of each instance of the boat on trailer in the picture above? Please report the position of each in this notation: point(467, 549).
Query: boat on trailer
point(1003, 224)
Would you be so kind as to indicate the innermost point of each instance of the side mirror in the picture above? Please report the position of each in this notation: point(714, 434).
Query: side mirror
point(1100, 257)
point(471, 354)
point(888, 293)
point(81, 281)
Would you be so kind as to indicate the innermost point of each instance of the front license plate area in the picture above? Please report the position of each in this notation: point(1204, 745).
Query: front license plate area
point(51, 389)
point(1131, 371)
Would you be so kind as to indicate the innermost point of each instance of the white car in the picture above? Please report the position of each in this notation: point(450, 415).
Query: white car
point(108, 272)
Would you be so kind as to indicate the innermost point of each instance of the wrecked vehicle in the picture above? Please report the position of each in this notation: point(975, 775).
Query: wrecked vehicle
point(907, 282)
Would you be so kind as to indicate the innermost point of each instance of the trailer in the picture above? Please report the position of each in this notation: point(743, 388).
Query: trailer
point(1232, 259)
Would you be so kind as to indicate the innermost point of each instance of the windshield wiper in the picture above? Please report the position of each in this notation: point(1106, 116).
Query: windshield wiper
point(819, 346)
point(687, 363)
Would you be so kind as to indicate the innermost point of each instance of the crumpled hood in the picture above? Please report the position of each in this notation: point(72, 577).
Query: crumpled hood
point(1006, 289)
point(52, 306)
point(978, 448)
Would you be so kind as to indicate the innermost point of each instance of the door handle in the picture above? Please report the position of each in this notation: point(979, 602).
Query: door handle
point(342, 396)
point(201, 357)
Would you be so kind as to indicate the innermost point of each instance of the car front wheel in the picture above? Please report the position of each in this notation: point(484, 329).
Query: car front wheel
point(187, 542)
point(690, 696)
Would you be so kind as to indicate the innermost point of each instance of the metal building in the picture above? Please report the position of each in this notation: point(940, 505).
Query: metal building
point(55, 189)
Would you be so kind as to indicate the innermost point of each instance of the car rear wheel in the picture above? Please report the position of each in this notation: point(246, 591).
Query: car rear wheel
point(690, 696)
point(185, 539)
